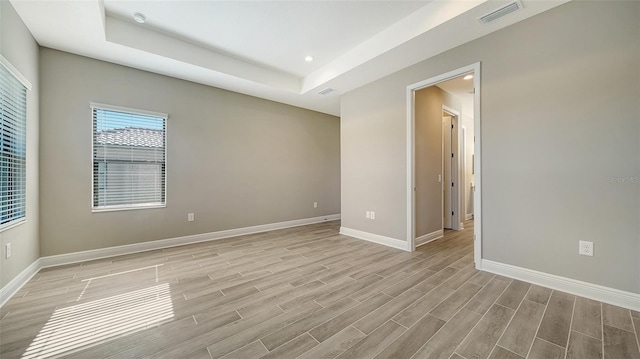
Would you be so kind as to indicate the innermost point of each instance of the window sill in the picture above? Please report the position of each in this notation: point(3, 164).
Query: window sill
point(13, 224)
point(126, 208)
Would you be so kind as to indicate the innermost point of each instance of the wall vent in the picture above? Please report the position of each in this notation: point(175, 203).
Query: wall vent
point(326, 91)
point(498, 13)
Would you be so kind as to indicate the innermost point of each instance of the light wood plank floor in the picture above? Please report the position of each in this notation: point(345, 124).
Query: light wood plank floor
point(305, 292)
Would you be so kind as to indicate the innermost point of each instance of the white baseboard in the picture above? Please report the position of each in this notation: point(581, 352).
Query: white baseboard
point(375, 238)
point(84, 256)
point(468, 216)
point(16, 283)
point(429, 237)
point(588, 290)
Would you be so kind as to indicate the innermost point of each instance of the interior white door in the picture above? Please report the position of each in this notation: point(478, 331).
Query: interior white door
point(447, 123)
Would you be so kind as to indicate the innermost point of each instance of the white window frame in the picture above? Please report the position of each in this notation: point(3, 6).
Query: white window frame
point(127, 207)
point(28, 87)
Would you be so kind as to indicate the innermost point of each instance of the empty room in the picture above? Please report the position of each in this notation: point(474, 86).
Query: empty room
point(320, 179)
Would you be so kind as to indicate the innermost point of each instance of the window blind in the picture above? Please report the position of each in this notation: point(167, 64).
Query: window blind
point(129, 152)
point(13, 139)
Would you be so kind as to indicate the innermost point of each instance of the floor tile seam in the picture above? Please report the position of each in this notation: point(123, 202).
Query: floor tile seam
point(510, 351)
point(380, 350)
point(429, 312)
point(573, 313)
point(624, 330)
point(461, 307)
point(541, 319)
point(310, 329)
point(482, 317)
point(511, 319)
point(602, 328)
point(586, 335)
point(637, 334)
point(554, 344)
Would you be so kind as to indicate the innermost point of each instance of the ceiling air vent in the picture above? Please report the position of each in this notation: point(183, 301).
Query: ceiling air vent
point(498, 13)
point(326, 91)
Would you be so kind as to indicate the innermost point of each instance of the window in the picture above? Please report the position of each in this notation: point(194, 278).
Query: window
point(13, 140)
point(129, 151)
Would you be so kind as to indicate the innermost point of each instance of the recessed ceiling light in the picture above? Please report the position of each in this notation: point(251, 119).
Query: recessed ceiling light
point(139, 18)
point(308, 58)
point(468, 77)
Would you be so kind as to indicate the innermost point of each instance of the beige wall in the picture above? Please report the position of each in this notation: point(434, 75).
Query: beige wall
point(428, 157)
point(18, 46)
point(233, 160)
point(372, 162)
point(551, 145)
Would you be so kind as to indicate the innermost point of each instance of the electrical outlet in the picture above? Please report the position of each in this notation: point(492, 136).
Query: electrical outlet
point(315, 204)
point(7, 250)
point(191, 217)
point(368, 214)
point(373, 215)
point(586, 248)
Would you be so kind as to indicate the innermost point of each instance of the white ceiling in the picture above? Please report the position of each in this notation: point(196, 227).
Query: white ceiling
point(463, 90)
point(258, 47)
point(275, 35)
point(458, 87)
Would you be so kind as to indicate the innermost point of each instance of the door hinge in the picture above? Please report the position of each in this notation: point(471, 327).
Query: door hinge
point(452, 213)
point(452, 126)
point(452, 155)
point(451, 184)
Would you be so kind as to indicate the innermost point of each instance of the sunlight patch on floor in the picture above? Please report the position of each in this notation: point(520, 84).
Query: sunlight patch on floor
point(87, 324)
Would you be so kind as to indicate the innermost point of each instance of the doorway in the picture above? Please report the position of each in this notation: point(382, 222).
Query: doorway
point(460, 194)
point(452, 170)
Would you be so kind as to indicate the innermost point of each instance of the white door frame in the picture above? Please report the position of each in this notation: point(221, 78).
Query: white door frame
point(411, 125)
point(455, 171)
point(463, 176)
